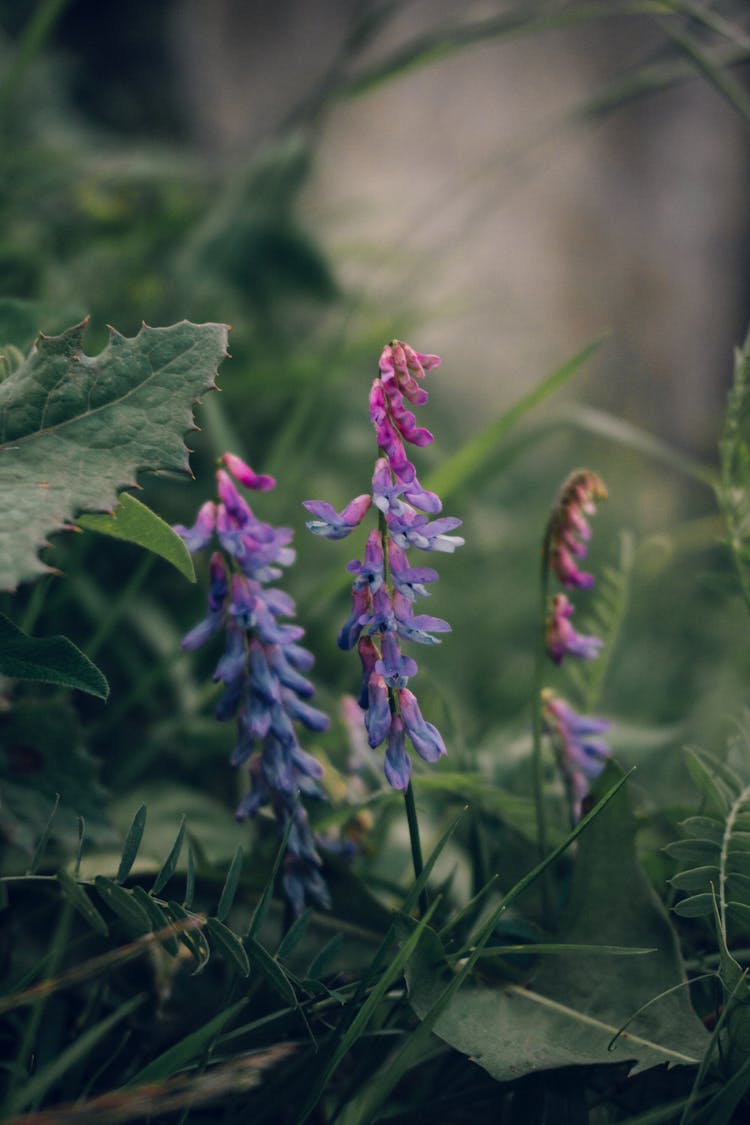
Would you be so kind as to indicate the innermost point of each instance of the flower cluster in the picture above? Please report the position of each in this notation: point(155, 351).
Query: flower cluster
point(581, 757)
point(385, 585)
point(583, 754)
point(263, 668)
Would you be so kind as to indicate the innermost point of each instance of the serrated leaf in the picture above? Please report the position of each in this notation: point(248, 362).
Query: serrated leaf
point(170, 863)
point(76, 429)
point(229, 889)
point(132, 843)
point(122, 903)
point(77, 897)
point(229, 945)
point(48, 660)
point(696, 879)
point(133, 521)
point(697, 906)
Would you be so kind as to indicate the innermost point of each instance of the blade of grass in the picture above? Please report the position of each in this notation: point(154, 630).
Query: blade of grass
point(132, 844)
point(170, 863)
point(466, 462)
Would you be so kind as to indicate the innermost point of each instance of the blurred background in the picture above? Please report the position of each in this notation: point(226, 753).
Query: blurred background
point(500, 183)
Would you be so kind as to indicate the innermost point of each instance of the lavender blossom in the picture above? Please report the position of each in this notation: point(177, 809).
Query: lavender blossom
point(262, 669)
point(561, 638)
point(385, 584)
point(581, 754)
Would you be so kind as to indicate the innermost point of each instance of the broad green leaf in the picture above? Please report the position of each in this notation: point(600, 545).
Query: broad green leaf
point(76, 429)
point(122, 903)
point(571, 1015)
point(229, 945)
point(170, 863)
point(77, 896)
point(132, 843)
point(42, 754)
point(133, 521)
point(47, 660)
point(178, 1056)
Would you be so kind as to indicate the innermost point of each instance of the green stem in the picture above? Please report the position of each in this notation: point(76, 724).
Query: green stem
point(416, 846)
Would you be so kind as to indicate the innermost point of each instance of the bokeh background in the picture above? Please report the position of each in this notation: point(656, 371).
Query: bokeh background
point(499, 183)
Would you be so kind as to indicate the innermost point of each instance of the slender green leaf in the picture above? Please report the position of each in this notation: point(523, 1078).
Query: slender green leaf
point(703, 827)
point(133, 521)
point(122, 903)
point(324, 956)
point(261, 909)
point(36, 859)
point(695, 879)
point(79, 1050)
point(170, 863)
point(157, 916)
point(709, 783)
point(474, 456)
point(77, 896)
point(79, 850)
point(229, 945)
point(192, 939)
point(186, 1051)
point(295, 933)
point(132, 843)
point(229, 889)
point(48, 660)
point(190, 877)
point(271, 970)
point(694, 851)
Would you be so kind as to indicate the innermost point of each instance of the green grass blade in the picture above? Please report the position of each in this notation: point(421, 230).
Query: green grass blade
point(179, 1055)
point(170, 863)
point(132, 844)
point(230, 885)
point(475, 455)
point(77, 1051)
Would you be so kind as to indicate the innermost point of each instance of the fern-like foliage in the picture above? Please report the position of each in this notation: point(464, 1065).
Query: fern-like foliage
point(716, 846)
point(733, 488)
point(604, 620)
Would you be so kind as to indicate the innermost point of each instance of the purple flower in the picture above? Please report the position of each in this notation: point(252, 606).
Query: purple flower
point(336, 525)
point(385, 585)
point(262, 669)
point(569, 530)
point(562, 639)
point(200, 534)
point(582, 754)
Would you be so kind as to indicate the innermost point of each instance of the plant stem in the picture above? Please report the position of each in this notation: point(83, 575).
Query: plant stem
point(416, 847)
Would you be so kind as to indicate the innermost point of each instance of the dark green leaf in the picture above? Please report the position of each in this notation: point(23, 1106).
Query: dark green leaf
point(133, 521)
point(190, 878)
point(324, 957)
point(77, 896)
point(695, 879)
point(122, 903)
point(703, 827)
point(708, 783)
point(42, 842)
point(118, 412)
point(271, 970)
point(158, 918)
point(170, 863)
point(48, 660)
point(230, 885)
point(697, 906)
point(295, 933)
point(694, 851)
point(192, 939)
point(229, 945)
point(178, 1056)
point(132, 844)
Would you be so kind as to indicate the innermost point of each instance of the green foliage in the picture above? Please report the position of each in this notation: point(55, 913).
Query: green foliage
point(56, 409)
point(48, 660)
point(135, 523)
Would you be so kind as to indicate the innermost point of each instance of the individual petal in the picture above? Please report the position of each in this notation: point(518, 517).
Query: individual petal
point(236, 507)
point(397, 763)
point(393, 667)
point(561, 638)
point(378, 714)
point(416, 627)
point(425, 738)
point(199, 535)
point(242, 472)
point(370, 571)
point(231, 666)
point(369, 656)
point(297, 709)
point(408, 580)
point(336, 525)
point(352, 627)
